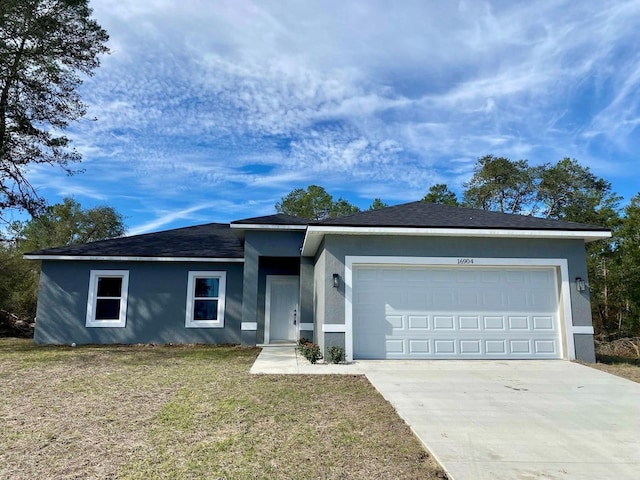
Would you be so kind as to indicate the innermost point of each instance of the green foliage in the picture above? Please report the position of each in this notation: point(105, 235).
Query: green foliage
point(314, 203)
point(67, 223)
point(309, 350)
point(569, 191)
point(440, 193)
point(342, 208)
point(377, 204)
point(501, 184)
point(18, 282)
point(45, 47)
point(616, 300)
point(336, 354)
point(61, 224)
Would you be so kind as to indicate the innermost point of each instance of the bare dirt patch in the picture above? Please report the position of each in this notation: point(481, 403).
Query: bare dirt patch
point(192, 412)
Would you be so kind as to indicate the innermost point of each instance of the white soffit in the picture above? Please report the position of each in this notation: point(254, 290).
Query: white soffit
point(315, 234)
point(258, 226)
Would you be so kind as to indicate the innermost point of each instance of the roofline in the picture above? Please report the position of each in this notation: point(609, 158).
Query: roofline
point(315, 233)
point(122, 258)
point(258, 226)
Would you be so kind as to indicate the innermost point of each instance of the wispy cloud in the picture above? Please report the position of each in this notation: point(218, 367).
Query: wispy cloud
point(212, 109)
point(166, 218)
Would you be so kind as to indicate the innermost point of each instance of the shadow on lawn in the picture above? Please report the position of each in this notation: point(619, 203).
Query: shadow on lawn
point(617, 360)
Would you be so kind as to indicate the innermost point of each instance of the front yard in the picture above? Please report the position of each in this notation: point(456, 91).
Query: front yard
point(191, 412)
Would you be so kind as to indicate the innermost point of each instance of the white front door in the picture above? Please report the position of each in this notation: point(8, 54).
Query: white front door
point(281, 308)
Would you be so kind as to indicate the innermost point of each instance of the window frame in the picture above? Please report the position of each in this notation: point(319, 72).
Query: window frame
point(93, 298)
point(191, 298)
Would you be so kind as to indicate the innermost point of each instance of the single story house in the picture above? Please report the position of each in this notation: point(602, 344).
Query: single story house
point(412, 281)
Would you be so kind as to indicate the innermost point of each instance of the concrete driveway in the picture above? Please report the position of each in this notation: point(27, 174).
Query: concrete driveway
point(517, 419)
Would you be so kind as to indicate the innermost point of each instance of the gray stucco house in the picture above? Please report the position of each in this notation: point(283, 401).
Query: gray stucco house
point(417, 280)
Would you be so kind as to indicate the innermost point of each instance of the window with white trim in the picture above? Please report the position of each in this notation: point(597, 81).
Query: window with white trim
point(205, 299)
point(107, 302)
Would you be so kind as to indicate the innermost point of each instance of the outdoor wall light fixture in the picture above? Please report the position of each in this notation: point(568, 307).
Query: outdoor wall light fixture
point(336, 280)
point(580, 285)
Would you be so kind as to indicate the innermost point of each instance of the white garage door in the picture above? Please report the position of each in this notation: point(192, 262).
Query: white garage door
point(455, 312)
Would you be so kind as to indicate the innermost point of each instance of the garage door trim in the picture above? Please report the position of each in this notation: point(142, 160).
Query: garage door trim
point(567, 329)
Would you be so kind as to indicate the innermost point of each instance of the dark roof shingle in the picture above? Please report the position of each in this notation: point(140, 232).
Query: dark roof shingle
point(213, 240)
point(431, 215)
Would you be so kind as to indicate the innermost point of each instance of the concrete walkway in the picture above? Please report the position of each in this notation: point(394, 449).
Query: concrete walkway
point(504, 420)
point(280, 359)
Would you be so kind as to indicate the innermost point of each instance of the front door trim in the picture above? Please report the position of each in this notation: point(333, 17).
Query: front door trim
point(267, 306)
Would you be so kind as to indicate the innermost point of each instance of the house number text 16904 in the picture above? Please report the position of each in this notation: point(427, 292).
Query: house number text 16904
point(465, 261)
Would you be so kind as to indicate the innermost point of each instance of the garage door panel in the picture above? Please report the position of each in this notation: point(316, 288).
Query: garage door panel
point(395, 347)
point(395, 321)
point(520, 347)
point(518, 323)
point(545, 346)
point(468, 323)
point(470, 347)
point(443, 298)
point(416, 275)
point(517, 300)
point(363, 275)
point(444, 346)
point(442, 276)
point(492, 299)
point(419, 347)
point(543, 323)
point(465, 312)
point(418, 322)
point(516, 277)
point(368, 297)
point(493, 276)
point(417, 300)
point(542, 300)
point(443, 322)
point(494, 323)
point(541, 278)
point(393, 275)
point(495, 347)
point(468, 299)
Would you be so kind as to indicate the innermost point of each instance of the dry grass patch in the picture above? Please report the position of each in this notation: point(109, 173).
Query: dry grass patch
point(628, 368)
point(191, 412)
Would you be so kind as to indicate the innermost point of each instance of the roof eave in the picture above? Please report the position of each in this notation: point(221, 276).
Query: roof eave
point(259, 226)
point(129, 258)
point(315, 234)
point(240, 228)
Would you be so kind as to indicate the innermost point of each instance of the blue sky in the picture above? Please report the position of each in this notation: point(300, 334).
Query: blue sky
point(210, 111)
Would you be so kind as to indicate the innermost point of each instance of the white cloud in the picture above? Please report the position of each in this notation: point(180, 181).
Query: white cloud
point(165, 218)
point(210, 102)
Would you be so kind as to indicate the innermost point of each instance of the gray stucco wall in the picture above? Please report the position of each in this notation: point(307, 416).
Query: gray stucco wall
point(336, 248)
point(261, 245)
point(156, 306)
point(306, 295)
point(319, 296)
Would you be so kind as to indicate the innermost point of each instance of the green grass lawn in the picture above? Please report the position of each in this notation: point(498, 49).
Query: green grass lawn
point(191, 412)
